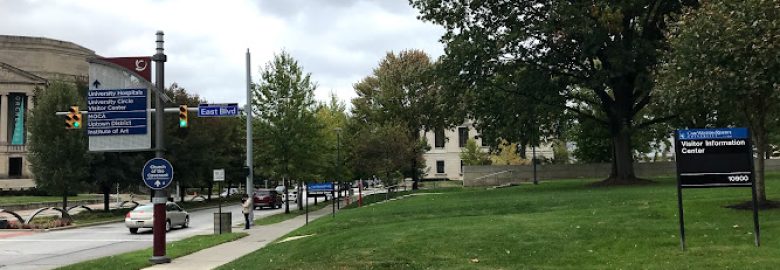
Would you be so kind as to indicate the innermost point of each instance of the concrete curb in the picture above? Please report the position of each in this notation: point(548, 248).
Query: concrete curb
point(97, 223)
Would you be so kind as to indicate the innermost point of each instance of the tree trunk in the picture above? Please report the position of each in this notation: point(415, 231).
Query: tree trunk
point(623, 161)
point(210, 189)
point(106, 192)
point(761, 145)
point(415, 178)
point(65, 199)
point(298, 198)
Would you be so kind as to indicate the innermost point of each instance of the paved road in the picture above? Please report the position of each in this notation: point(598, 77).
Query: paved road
point(48, 250)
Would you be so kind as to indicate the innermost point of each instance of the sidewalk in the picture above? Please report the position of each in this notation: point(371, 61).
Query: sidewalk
point(259, 237)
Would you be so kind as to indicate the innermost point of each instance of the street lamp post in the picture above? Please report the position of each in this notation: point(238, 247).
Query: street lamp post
point(338, 164)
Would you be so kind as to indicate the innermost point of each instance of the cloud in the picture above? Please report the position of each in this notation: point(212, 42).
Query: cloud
point(338, 41)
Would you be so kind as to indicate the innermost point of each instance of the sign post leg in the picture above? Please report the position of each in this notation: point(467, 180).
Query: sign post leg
point(756, 228)
point(680, 213)
point(219, 205)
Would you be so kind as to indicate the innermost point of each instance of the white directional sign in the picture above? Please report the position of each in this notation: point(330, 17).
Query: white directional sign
point(219, 175)
point(117, 102)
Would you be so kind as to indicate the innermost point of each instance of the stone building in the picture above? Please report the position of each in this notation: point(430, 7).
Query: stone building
point(27, 63)
point(443, 159)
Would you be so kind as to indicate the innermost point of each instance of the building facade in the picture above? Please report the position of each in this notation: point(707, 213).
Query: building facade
point(443, 159)
point(27, 63)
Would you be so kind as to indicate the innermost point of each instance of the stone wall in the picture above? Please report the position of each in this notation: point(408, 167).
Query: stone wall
point(474, 176)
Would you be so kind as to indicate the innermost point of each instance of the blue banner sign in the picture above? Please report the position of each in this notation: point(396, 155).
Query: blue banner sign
point(712, 134)
point(218, 110)
point(320, 187)
point(117, 112)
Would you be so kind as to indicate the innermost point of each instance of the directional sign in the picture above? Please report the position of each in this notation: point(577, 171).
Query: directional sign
point(117, 111)
point(118, 102)
point(218, 110)
point(720, 157)
point(157, 173)
point(219, 175)
point(320, 187)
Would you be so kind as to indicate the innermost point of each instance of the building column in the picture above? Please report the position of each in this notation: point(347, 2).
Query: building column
point(4, 119)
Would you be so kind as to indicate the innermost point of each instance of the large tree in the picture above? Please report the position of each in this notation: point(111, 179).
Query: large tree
point(284, 104)
point(725, 54)
point(401, 91)
point(605, 48)
point(58, 156)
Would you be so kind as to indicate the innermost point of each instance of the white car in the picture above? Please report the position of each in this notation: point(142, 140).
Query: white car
point(143, 217)
point(231, 192)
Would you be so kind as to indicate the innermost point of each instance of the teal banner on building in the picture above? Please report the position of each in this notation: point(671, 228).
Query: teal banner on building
point(16, 111)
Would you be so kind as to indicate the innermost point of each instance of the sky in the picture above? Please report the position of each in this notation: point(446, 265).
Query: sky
point(338, 41)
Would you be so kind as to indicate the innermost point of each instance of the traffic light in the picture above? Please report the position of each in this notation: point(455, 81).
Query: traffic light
point(73, 119)
point(183, 122)
point(77, 116)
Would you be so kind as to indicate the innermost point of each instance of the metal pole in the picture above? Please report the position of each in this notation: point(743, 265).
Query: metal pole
point(159, 199)
point(338, 165)
point(219, 204)
point(679, 194)
point(333, 205)
point(249, 178)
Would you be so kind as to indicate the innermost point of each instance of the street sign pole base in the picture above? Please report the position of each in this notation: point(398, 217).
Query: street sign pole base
point(159, 260)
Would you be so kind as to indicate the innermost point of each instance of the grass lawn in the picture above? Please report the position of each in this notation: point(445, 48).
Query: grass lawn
point(140, 259)
point(554, 225)
point(6, 200)
point(293, 213)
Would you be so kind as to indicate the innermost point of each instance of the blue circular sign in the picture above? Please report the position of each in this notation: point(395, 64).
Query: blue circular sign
point(157, 173)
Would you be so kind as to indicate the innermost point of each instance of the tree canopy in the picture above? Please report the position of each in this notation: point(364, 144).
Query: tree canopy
point(723, 67)
point(605, 49)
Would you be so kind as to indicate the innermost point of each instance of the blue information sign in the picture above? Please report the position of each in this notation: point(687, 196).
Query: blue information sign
point(320, 187)
point(218, 110)
point(117, 112)
point(157, 173)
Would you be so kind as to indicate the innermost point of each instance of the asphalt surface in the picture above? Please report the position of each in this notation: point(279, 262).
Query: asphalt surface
point(52, 249)
point(47, 250)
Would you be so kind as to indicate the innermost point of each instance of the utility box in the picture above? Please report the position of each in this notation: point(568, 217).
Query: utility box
point(222, 223)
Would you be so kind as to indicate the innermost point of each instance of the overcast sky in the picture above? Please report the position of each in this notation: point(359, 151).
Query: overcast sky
point(337, 41)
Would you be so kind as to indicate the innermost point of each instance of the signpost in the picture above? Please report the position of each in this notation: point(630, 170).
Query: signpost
point(218, 110)
point(219, 177)
point(721, 157)
point(157, 173)
point(318, 187)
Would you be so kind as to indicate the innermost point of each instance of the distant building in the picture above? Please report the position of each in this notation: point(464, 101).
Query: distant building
point(443, 160)
point(27, 63)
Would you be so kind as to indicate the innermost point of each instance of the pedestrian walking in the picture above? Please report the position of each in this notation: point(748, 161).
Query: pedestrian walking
point(247, 204)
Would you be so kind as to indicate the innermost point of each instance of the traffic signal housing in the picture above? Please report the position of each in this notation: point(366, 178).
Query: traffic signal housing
point(73, 118)
point(183, 121)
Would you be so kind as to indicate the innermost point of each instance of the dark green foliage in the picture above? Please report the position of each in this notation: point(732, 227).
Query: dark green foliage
point(723, 69)
point(58, 156)
point(287, 131)
point(597, 53)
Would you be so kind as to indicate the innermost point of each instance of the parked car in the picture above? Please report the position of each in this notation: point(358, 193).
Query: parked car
point(143, 217)
point(267, 198)
point(228, 192)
